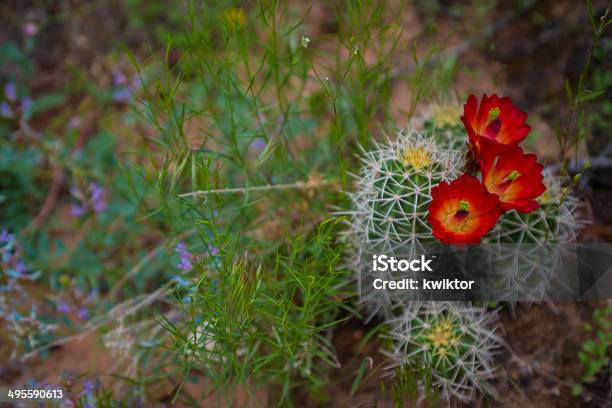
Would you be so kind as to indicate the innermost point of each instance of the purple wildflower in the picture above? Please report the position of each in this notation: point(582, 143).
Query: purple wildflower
point(97, 197)
point(92, 199)
point(136, 83)
point(88, 387)
point(6, 237)
point(122, 95)
point(184, 255)
point(26, 105)
point(213, 249)
point(185, 264)
point(93, 295)
point(125, 86)
point(30, 29)
point(83, 313)
point(10, 91)
point(6, 111)
point(20, 268)
point(257, 145)
point(68, 403)
point(77, 211)
point(63, 307)
point(119, 77)
point(7, 249)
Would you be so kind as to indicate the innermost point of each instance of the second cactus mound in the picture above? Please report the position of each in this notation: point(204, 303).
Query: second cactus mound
point(455, 343)
point(527, 250)
point(556, 221)
point(441, 122)
point(390, 204)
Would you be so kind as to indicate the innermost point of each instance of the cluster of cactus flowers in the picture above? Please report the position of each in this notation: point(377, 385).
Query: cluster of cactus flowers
point(460, 179)
point(467, 208)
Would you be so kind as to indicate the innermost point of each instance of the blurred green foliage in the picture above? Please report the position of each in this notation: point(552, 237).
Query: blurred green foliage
point(595, 353)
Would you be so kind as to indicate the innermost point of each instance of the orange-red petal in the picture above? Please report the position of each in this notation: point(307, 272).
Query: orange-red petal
point(462, 211)
point(496, 124)
point(515, 177)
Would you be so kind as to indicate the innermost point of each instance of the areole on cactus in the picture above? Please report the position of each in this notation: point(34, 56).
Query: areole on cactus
point(441, 121)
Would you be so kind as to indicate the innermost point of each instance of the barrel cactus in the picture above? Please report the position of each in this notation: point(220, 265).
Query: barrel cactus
point(455, 342)
point(393, 191)
point(556, 221)
point(441, 121)
point(528, 249)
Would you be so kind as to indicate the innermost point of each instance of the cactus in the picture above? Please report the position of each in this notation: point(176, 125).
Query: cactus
point(390, 203)
point(442, 122)
point(555, 221)
point(454, 342)
point(528, 248)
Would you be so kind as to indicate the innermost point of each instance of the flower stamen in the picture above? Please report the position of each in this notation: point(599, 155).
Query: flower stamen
point(463, 211)
point(416, 157)
point(494, 113)
point(513, 175)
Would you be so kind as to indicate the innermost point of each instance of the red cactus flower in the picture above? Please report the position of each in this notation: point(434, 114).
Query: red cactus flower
point(515, 177)
point(495, 125)
point(463, 211)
